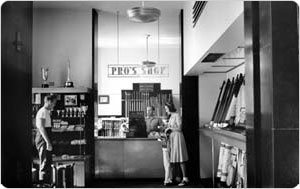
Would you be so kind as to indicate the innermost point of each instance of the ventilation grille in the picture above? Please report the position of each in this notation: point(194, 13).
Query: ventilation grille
point(212, 57)
point(197, 10)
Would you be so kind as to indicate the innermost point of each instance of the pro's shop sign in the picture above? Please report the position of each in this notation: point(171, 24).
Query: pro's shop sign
point(136, 70)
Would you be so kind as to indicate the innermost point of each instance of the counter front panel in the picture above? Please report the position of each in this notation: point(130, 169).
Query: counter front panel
point(128, 158)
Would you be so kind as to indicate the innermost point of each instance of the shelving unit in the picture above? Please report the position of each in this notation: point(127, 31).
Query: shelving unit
point(143, 95)
point(72, 132)
point(217, 136)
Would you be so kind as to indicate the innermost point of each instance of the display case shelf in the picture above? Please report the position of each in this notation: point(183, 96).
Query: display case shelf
point(61, 90)
point(66, 130)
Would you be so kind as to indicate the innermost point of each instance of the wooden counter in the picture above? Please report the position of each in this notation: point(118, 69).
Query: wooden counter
point(119, 158)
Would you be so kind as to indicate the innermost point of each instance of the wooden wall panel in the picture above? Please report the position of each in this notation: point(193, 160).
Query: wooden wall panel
point(16, 85)
point(272, 70)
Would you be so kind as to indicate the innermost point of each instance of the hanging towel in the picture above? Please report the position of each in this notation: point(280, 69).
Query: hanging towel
point(241, 169)
point(225, 162)
point(221, 155)
point(231, 178)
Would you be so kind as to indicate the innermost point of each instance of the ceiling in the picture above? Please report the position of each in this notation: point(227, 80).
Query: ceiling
point(110, 6)
point(131, 35)
point(231, 43)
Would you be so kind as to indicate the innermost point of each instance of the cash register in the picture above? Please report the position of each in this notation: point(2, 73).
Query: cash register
point(137, 125)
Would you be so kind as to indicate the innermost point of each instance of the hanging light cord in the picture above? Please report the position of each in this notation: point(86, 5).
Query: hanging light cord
point(147, 45)
point(158, 38)
point(118, 38)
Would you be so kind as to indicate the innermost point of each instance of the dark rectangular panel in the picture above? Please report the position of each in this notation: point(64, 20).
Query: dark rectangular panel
point(285, 64)
point(286, 88)
point(190, 113)
point(285, 24)
point(286, 155)
point(190, 123)
point(212, 57)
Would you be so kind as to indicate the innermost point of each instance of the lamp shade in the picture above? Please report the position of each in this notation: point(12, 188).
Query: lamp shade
point(143, 14)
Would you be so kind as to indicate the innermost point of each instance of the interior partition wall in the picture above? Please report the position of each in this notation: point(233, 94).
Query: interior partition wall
point(272, 71)
point(190, 114)
point(16, 82)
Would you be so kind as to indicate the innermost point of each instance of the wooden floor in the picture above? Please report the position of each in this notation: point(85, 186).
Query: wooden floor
point(140, 183)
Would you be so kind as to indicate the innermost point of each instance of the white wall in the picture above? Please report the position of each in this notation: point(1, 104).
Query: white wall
point(133, 51)
point(209, 88)
point(57, 35)
point(209, 85)
point(238, 70)
point(215, 19)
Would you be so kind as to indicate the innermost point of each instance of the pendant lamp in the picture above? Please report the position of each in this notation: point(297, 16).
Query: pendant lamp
point(143, 14)
point(147, 62)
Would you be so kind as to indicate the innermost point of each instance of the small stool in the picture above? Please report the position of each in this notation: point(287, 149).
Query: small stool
point(63, 175)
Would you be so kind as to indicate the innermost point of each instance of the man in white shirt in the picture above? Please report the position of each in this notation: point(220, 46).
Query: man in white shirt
point(43, 140)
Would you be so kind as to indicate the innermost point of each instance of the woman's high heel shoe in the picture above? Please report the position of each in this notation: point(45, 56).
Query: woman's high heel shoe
point(168, 183)
point(183, 183)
